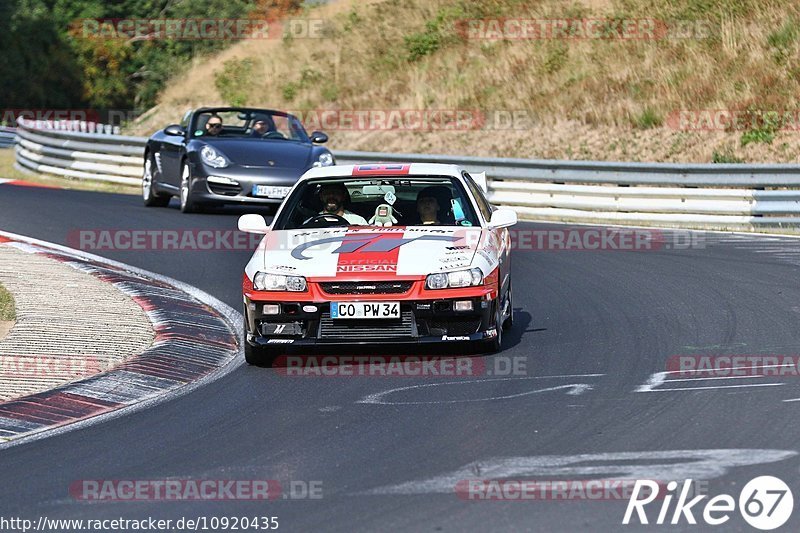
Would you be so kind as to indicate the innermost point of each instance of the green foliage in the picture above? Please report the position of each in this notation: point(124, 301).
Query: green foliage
point(353, 20)
point(763, 127)
point(7, 311)
point(440, 30)
point(423, 43)
point(36, 68)
point(290, 91)
point(725, 156)
point(234, 80)
point(648, 118)
point(782, 41)
point(556, 58)
point(760, 135)
point(55, 55)
point(330, 92)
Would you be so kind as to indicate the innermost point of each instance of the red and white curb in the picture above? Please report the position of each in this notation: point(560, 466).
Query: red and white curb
point(59, 310)
point(197, 340)
point(23, 183)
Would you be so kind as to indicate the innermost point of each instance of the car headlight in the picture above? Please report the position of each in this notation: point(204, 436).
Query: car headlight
point(455, 279)
point(213, 158)
point(325, 160)
point(264, 281)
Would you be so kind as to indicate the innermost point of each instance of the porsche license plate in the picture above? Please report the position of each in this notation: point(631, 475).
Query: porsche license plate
point(270, 191)
point(365, 310)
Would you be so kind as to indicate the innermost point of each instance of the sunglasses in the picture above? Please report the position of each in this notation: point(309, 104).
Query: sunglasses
point(215, 125)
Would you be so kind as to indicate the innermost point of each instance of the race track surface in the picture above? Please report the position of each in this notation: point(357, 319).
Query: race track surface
point(602, 322)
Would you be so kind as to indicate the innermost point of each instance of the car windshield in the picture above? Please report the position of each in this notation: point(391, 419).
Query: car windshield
point(251, 124)
point(386, 201)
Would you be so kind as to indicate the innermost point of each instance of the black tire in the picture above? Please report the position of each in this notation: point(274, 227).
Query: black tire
point(495, 344)
point(254, 355)
point(149, 195)
point(188, 205)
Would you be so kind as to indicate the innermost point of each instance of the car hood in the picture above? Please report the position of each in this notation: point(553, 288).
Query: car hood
point(259, 153)
point(358, 253)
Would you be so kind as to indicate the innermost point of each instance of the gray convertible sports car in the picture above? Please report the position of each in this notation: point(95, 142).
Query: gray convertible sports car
point(229, 155)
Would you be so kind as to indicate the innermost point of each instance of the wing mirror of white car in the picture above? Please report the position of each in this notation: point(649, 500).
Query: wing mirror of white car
point(253, 224)
point(503, 218)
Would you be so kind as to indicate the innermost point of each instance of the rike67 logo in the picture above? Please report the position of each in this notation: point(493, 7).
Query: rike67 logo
point(765, 503)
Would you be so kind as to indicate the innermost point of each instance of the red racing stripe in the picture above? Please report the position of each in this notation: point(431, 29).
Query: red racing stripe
point(366, 263)
point(381, 169)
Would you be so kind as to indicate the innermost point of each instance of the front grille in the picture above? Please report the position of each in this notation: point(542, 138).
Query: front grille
point(366, 328)
point(225, 190)
point(366, 287)
point(456, 325)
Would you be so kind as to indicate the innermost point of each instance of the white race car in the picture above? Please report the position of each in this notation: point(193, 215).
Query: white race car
point(379, 254)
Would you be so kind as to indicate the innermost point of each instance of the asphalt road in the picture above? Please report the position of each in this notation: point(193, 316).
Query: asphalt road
point(603, 322)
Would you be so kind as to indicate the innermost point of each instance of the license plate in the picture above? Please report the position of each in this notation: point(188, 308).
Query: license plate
point(365, 310)
point(270, 191)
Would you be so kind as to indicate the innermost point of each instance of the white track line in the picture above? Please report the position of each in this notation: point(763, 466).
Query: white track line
point(717, 387)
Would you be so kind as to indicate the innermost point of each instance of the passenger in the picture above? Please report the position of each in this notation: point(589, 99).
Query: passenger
point(214, 125)
point(428, 206)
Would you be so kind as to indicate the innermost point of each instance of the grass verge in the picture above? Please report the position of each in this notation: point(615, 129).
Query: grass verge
point(7, 311)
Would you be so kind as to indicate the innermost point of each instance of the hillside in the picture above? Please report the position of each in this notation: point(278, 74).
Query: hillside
point(667, 95)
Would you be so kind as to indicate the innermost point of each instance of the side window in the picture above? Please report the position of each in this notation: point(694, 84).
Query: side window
point(480, 199)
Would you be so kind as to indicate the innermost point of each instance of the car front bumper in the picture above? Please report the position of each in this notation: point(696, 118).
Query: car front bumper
point(240, 188)
point(304, 323)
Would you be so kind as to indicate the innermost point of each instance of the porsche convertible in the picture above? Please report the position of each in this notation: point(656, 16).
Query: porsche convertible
point(229, 155)
point(379, 254)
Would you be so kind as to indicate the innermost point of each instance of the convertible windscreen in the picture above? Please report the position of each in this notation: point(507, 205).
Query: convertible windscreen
point(250, 124)
point(389, 201)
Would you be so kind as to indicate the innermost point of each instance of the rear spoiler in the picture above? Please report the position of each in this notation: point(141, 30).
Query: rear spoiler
point(480, 179)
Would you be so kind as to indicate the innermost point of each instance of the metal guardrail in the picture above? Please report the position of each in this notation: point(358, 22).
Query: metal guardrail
point(7, 137)
point(58, 149)
point(711, 196)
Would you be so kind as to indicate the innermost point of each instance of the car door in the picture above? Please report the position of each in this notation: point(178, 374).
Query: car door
point(500, 236)
point(172, 150)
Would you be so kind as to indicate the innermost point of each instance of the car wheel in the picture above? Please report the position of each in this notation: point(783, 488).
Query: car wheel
point(509, 322)
point(495, 344)
point(150, 197)
point(254, 355)
point(188, 205)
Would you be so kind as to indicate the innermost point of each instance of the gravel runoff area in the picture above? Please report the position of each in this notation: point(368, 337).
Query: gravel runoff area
point(69, 324)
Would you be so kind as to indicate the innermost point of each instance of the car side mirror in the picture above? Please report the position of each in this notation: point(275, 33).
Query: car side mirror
point(503, 217)
point(174, 130)
point(319, 137)
point(253, 224)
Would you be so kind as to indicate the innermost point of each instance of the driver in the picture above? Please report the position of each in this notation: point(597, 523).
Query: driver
point(333, 197)
point(262, 125)
point(259, 128)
